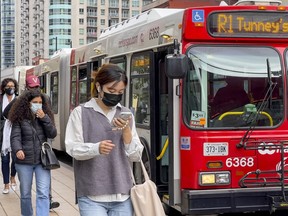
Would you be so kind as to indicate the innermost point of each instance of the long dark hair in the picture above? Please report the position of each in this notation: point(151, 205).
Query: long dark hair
point(21, 108)
point(108, 73)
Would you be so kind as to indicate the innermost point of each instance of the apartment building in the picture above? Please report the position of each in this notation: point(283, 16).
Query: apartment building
point(183, 3)
point(7, 33)
point(31, 31)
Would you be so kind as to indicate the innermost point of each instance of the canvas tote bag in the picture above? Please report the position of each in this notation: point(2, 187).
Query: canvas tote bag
point(144, 197)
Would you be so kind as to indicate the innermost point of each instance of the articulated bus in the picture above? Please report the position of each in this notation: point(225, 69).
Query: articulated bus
point(208, 89)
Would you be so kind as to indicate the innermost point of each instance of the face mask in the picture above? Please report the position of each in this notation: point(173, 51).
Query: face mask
point(35, 107)
point(9, 91)
point(111, 99)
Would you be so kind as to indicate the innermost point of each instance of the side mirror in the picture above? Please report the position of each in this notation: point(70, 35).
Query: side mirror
point(177, 65)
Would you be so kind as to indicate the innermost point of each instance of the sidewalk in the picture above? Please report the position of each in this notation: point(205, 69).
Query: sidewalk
point(62, 192)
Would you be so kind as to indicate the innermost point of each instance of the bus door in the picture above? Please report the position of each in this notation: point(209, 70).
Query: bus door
point(162, 161)
point(140, 104)
point(149, 102)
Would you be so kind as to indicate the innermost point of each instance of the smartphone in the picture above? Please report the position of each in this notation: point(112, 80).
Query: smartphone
point(125, 115)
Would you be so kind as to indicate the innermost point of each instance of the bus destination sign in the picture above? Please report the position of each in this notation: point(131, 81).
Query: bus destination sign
point(248, 24)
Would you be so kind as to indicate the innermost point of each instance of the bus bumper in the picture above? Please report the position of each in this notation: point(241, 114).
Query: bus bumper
point(231, 200)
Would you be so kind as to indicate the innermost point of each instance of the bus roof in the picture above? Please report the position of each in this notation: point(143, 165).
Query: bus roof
point(140, 19)
point(154, 28)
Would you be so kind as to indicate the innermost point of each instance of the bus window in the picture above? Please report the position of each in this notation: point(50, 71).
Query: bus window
point(43, 84)
point(231, 87)
point(140, 88)
point(73, 88)
point(83, 96)
point(121, 62)
point(54, 92)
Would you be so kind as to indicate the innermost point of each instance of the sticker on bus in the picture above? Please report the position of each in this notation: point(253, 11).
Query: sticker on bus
point(185, 143)
point(197, 16)
point(197, 119)
point(215, 149)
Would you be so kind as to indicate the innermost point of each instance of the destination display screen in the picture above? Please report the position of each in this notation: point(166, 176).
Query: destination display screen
point(248, 24)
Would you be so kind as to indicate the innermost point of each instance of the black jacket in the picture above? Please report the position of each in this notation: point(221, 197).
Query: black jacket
point(29, 135)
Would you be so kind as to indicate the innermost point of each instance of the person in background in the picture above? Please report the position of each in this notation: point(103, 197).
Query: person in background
point(230, 97)
point(32, 83)
point(32, 124)
point(100, 141)
point(9, 89)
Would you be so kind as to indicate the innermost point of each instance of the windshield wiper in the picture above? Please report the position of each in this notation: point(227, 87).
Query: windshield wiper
point(267, 98)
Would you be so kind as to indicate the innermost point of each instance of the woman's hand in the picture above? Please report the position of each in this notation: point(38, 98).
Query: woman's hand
point(106, 147)
point(120, 124)
point(20, 155)
point(123, 125)
point(40, 114)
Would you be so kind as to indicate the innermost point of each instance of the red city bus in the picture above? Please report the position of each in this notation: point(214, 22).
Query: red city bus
point(233, 129)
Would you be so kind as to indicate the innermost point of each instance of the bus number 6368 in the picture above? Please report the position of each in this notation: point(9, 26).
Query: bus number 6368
point(242, 162)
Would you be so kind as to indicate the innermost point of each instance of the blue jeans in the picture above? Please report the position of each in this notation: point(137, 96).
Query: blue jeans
point(25, 175)
point(6, 167)
point(89, 207)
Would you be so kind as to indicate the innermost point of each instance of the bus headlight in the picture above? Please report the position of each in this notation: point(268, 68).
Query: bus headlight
point(214, 178)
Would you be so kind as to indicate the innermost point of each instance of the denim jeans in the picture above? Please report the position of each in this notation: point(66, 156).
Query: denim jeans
point(25, 175)
point(89, 207)
point(6, 167)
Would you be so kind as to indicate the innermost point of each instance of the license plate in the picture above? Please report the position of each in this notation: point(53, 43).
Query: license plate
point(215, 149)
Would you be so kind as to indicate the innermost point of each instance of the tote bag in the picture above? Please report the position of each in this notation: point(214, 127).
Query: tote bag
point(144, 197)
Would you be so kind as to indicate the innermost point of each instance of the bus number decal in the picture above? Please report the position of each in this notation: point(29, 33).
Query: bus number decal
point(154, 33)
point(242, 162)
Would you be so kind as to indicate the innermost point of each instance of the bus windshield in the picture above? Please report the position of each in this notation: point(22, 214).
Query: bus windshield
point(232, 86)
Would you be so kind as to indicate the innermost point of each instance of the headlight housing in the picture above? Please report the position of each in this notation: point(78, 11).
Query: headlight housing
point(214, 178)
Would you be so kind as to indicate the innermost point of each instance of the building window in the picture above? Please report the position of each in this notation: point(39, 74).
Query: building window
point(92, 12)
point(81, 11)
point(81, 41)
point(125, 14)
point(135, 13)
point(114, 13)
point(81, 1)
point(81, 31)
point(135, 3)
point(102, 21)
point(114, 3)
point(91, 22)
point(81, 21)
point(102, 2)
point(103, 12)
point(92, 2)
point(55, 2)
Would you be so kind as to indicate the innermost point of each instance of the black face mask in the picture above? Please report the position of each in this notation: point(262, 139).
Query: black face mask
point(9, 91)
point(111, 99)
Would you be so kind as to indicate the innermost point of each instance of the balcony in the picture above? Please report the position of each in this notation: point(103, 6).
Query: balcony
point(90, 14)
point(125, 6)
point(114, 6)
point(114, 16)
